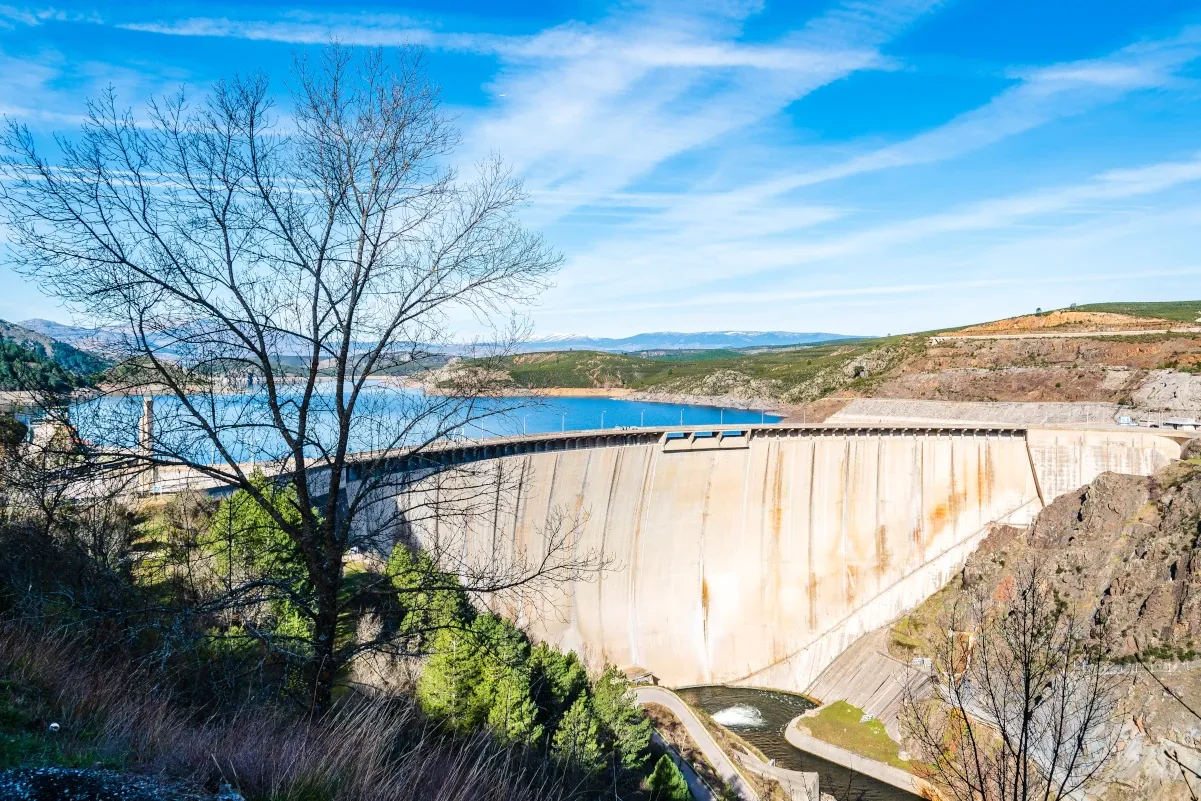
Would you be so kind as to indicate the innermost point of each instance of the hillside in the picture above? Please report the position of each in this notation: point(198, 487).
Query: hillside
point(1069, 321)
point(67, 356)
point(1185, 311)
point(1123, 549)
point(1051, 358)
point(793, 375)
point(23, 370)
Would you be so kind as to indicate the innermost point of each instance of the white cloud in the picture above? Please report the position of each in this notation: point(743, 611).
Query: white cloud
point(699, 268)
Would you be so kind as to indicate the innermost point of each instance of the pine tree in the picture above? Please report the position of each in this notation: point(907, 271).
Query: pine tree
point(504, 686)
point(628, 730)
point(430, 599)
point(577, 738)
point(513, 716)
point(667, 783)
point(247, 543)
point(556, 679)
point(449, 683)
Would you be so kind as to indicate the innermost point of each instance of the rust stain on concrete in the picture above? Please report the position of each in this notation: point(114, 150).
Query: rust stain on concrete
point(883, 557)
point(852, 585)
point(777, 497)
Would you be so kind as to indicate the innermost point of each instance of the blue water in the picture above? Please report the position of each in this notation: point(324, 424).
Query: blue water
point(388, 416)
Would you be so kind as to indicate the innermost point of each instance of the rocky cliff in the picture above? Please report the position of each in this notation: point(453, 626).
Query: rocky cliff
point(1128, 548)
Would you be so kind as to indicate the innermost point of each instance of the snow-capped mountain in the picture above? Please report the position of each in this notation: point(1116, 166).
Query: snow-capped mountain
point(675, 340)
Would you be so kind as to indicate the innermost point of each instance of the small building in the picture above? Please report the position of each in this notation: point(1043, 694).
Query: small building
point(639, 675)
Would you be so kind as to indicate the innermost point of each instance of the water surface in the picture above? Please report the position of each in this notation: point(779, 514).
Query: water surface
point(760, 717)
point(388, 416)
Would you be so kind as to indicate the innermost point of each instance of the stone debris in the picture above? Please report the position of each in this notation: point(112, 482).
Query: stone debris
point(75, 784)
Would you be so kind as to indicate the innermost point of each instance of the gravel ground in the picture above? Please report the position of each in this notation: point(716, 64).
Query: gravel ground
point(64, 784)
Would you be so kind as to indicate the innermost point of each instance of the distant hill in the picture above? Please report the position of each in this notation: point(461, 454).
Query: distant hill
point(96, 341)
point(43, 346)
point(674, 340)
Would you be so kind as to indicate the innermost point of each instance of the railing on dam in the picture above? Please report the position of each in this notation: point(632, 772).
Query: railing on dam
point(453, 453)
point(443, 455)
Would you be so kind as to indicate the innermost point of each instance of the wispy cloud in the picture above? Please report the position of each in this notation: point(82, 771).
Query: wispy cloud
point(643, 273)
point(661, 85)
point(665, 149)
point(1039, 96)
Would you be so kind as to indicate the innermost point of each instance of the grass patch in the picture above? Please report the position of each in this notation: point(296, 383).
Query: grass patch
point(1184, 311)
point(840, 724)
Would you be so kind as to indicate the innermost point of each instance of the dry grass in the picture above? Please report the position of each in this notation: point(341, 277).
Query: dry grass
point(367, 749)
point(673, 732)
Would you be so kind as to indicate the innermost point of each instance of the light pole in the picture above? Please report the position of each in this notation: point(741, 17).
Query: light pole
point(602, 418)
point(681, 417)
point(721, 417)
point(642, 419)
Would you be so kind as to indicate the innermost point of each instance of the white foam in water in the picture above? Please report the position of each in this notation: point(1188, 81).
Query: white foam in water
point(740, 715)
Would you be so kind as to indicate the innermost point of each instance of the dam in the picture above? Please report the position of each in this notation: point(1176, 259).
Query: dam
point(756, 555)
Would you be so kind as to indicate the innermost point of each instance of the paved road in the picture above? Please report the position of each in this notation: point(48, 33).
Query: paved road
point(701, 736)
point(696, 785)
point(799, 785)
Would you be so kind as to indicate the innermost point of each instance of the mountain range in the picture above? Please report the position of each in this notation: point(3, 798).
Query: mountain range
point(676, 340)
point(95, 340)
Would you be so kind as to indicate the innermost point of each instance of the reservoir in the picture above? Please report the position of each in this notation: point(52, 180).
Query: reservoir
point(760, 717)
point(387, 416)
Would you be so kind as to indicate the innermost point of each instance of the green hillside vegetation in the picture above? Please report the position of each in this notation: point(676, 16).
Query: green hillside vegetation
point(1185, 311)
point(22, 369)
point(788, 374)
point(487, 699)
point(70, 358)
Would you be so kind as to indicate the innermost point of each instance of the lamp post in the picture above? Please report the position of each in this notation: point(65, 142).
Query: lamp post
point(602, 418)
point(642, 419)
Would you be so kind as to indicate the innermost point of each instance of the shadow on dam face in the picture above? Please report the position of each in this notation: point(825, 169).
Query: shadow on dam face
point(760, 563)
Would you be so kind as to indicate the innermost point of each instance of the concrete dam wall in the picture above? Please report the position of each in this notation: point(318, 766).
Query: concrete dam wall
point(758, 558)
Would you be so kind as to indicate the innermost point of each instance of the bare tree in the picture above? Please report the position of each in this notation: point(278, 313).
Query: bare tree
point(1024, 703)
point(259, 271)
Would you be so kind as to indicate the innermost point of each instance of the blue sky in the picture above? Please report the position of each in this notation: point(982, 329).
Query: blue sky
point(864, 167)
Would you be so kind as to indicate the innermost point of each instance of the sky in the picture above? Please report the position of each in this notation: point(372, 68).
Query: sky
point(864, 167)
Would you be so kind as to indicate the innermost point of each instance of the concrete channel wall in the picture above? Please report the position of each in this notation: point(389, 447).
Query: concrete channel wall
point(759, 560)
